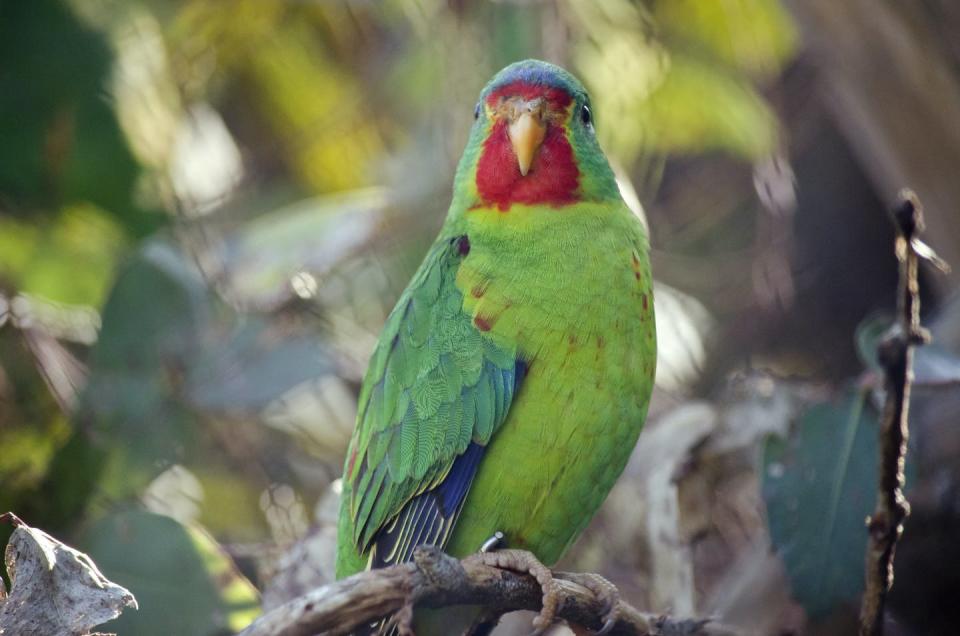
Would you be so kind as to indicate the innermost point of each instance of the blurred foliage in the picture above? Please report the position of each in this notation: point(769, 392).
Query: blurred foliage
point(54, 117)
point(207, 210)
point(686, 86)
point(69, 258)
point(183, 582)
point(819, 482)
point(819, 487)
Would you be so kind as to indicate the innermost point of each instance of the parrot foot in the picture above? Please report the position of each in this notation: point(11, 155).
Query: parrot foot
point(401, 623)
point(605, 591)
point(526, 563)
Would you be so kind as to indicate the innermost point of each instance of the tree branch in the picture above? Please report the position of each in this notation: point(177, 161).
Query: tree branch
point(895, 355)
point(434, 580)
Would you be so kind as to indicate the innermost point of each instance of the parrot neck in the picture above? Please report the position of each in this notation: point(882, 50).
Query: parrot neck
point(553, 179)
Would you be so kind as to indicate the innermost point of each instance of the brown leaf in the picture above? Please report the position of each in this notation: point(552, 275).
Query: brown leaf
point(55, 590)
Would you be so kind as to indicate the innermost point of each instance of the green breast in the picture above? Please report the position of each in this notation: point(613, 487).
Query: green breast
point(572, 289)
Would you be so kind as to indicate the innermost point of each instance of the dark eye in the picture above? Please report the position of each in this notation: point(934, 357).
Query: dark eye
point(476, 111)
point(585, 115)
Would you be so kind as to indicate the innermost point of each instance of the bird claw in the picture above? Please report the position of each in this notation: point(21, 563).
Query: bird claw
point(606, 593)
point(401, 623)
point(526, 563)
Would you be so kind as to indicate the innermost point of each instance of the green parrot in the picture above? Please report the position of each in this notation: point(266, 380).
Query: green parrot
point(512, 378)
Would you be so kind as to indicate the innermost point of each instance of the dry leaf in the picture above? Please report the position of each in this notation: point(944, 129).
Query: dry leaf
point(55, 590)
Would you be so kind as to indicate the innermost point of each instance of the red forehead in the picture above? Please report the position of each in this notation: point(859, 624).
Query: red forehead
point(557, 97)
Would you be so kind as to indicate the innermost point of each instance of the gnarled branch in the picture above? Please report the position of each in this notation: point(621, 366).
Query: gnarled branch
point(434, 580)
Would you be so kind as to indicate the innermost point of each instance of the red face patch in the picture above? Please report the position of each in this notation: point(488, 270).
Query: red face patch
point(553, 178)
point(556, 97)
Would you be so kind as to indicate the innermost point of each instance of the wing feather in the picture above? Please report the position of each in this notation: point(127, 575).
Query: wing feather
point(435, 392)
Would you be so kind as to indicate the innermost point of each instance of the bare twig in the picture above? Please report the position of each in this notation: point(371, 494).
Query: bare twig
point(434, 579)
point(895, 355)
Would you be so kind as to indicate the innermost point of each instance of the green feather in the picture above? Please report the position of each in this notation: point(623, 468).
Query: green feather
point(430, 371)
point(469, 421)
point(486, 407)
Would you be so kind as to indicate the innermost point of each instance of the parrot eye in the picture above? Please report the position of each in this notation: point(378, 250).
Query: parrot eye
point(476, 111)
point(585, 115)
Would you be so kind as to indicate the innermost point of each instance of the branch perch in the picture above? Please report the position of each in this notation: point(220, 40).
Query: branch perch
point(435, 579)
point(895, 355)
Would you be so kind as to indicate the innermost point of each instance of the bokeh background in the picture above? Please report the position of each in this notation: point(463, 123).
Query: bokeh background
point(207, 209)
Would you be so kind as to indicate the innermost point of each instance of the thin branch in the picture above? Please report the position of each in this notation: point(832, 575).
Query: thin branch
point(895, 355)
point(435, 580)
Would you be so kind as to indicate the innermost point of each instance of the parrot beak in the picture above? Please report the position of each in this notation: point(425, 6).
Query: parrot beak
point(526, 134)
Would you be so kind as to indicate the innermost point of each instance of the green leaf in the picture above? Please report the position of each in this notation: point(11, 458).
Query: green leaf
point(69, 484)
point(62, 142)
point(312, 235)
point(171, 355)
point(231, 504)
point(701, 107)
point(183, 581)
point(51, 62)
point(27, 452)
point(68, 259)
point(756, 36)
point(819, 487)
point(252, 368)
point(151, 325)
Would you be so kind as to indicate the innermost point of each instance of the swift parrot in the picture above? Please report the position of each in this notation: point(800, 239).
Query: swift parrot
point(512, 379)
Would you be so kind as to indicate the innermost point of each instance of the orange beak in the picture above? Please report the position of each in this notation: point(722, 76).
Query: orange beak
point(527, 131)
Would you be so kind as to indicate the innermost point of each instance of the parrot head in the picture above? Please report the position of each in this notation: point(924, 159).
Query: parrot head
point(533, 143)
